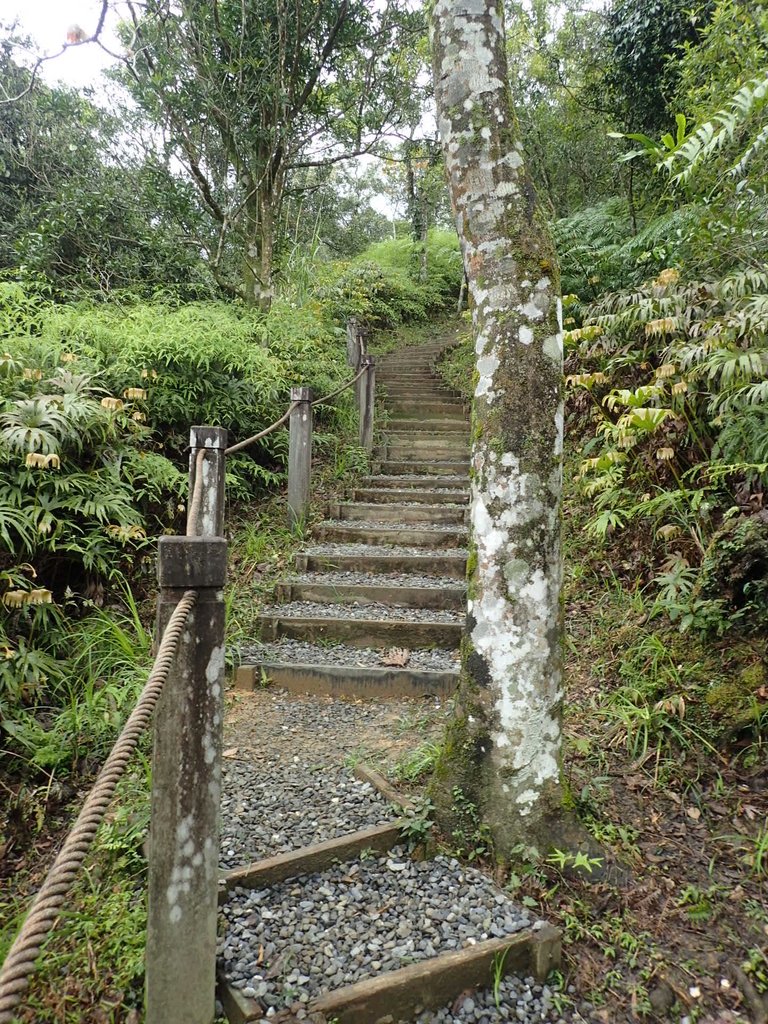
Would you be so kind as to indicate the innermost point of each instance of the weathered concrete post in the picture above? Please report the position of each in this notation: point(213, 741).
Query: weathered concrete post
point(210, 520)
point(367, 397)
point(186, 786)
point(299, 455)
point(353, 343)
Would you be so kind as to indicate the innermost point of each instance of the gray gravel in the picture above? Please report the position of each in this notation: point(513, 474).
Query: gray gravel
point(347, 577)
point(278, 805)
point(355, 921)
point(516, 999)
point(379, 523)
point(326, 550)
point(374, 610)
point(303, 653)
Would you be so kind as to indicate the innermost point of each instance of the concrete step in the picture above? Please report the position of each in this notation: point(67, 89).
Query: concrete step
point(401, 631)
point(405, 514)
point(445, 467)
point(416, 482)
point(448, 425)
point(411, 536)
point(445, 597)
point(436, 564)
point(421, 441)
point(441, 409)
point(338, 680)
point(425, 497)
point(438, 453)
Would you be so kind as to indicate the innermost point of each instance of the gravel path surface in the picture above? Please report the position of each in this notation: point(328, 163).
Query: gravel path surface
point(303, 653)
point(346, 577)
point(314, 609)
point(357, 920)
point(279, 805)
point(327, 550)
point(270, 724)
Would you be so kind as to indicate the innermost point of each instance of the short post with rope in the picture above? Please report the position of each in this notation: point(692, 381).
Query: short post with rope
point(186, 789)
point(367, 386)
point(207, 449)
point(299, 454)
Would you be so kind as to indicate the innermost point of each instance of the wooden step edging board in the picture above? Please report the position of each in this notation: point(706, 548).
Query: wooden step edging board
point(438, 564)
point(441, 598)
point(363, 632)
point(426, 985)
point(339, 680)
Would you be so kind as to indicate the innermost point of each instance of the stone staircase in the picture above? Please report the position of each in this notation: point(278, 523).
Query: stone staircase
point(328, 919)
point(386, 569)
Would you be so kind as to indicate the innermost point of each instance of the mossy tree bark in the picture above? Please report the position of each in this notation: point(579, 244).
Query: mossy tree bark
point(503, 747)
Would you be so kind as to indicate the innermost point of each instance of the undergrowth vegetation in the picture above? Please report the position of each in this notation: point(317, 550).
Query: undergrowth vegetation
point(96, 401)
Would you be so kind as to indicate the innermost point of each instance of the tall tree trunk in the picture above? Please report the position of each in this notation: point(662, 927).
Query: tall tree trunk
point(502, 751)
point(258, 229)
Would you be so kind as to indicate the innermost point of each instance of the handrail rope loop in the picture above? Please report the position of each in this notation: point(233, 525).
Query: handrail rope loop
point(20, 961)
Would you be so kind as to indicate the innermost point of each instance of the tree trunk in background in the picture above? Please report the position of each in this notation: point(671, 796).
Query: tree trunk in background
point(502, 749)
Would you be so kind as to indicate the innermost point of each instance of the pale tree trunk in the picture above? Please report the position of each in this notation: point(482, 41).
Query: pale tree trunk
point(503, 747)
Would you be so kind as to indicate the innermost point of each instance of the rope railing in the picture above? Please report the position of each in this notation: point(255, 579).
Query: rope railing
point(326, 398)
point(20, 961)
point(193, 567)
point(273, 426)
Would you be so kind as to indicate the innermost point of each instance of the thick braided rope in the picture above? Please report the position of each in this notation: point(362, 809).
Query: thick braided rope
point(326, 398)
point(20, 962)
point(273, 426)
point(262, 433)
point(197, 496)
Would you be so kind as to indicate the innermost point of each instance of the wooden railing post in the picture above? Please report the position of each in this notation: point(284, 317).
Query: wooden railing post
point(367, 397)
point(299, 455)
point(353, 343)
point(210, 521)
point(186, 787)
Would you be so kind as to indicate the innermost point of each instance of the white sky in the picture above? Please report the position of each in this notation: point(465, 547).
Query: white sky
point(47, 22)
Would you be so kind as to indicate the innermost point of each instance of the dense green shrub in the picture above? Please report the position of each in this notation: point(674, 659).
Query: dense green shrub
point(382, 287)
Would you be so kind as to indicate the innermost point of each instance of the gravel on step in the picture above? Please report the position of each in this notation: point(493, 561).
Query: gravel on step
point(278, 806)
point(374, 610)
point(399, 550)
point(343, 577)
point(301, 652)
point(515, 999)
point(389, 525)
point(357, 920)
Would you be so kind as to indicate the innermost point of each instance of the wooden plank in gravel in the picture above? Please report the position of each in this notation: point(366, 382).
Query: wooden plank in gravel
point(450, 496)
point(348, 681)
point(363, 632)
point(367, 774)
point(426, 985)
point(448, 467)
point(441, 598)
point(362, 513)
point(310, 859)
point(363, 533)
point(431, 984)
point(431, 565)
point(458, 483)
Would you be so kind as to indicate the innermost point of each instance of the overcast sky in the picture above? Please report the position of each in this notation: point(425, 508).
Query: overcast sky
point(47, 22)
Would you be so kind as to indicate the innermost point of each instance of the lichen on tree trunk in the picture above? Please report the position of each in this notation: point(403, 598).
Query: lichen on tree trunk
point(503, 748)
